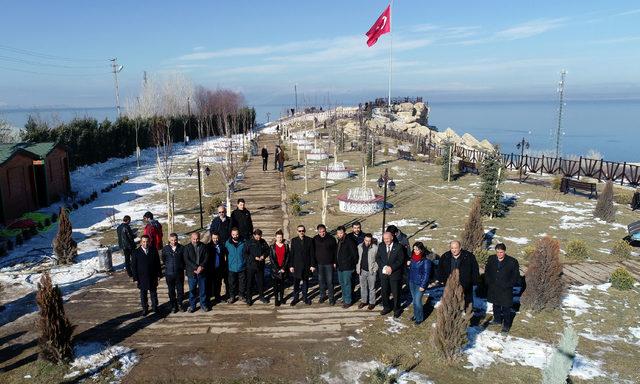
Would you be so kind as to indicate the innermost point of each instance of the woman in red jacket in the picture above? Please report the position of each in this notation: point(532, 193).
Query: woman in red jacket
point(279, 265)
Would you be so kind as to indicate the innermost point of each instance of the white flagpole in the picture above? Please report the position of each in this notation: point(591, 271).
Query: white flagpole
point(390, 49)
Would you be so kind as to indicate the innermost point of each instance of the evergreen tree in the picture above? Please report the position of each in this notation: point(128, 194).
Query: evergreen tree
point(545, 286)
point(561, 362)
point(447, 158)
point(450, 333)
point(473, 234)
point(492, 174)
point(604, 207)
point(64, 247)
point(55, 328)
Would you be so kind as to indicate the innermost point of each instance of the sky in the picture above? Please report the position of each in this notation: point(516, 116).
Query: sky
point(55, 53)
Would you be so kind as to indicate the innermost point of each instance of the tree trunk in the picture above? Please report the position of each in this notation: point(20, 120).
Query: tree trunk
point(228, 196)
point(169, 206)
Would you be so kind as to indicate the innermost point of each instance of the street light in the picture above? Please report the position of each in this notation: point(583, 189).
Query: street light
point(207, 171)
point(384, 181)
point(522, 145)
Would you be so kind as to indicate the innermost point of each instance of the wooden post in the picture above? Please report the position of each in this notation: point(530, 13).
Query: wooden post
point(542, 167)
point(600, 172)
point(450, 160)
point(579, 167)
point(624, 165)
point(306, 176)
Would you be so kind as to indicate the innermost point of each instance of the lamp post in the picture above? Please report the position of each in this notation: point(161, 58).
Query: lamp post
point(384, 181)
point(521, 146)
point(207, 172)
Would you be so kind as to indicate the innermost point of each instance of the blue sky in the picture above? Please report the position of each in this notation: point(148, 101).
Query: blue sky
point(455, 50)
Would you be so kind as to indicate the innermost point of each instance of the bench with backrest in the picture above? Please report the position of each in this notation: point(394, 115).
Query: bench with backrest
point(404, 155)
point(634, 231)
point(569, 184)
point(468, 166)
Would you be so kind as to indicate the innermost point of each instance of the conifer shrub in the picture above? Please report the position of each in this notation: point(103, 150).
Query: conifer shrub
point(622, 196)
point(544, 285)
point(452, 320)
point(556, 182)
point(492, 173)
point(55, 343)
point(294, 198)
point(296, 209)
point(621, 249)
point(605, 209)
point(482, 256)
point(621, 279)
point(561, 362)
point(577, 250)
point(289, 175)
point(447, 158)
point(473, 233)
point(528, 251)
point(64, 247)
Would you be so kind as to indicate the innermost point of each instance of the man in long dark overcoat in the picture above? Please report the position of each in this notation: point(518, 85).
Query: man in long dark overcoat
point(465, 262)
point(501, 274)
point(302, 265)
point(146, 270)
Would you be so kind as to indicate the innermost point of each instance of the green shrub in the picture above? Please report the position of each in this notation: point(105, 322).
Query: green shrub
point(528, 251)
point(622, 196)
point(296, 209)
point(621, 249)
point(294, 198)
point(577, 250)
point(621, 279)
point(556, 182)
point(482, 255)
point(212, 207)
point(439, 160)
point(385, 151)
point(289, 175)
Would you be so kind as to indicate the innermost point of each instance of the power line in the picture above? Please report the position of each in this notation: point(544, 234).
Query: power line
point(44, 55)
point(36, 63)
point(51, 73)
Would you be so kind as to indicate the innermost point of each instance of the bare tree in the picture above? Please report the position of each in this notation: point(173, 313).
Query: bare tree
point(161, 136)
point(142, 108)
point(6, 133)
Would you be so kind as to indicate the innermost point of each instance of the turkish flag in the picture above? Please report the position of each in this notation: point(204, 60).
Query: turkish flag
point(380, 27)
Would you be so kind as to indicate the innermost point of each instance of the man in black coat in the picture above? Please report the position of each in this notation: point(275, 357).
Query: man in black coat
point(126, 242)
point(241, 219)
point(218, 254)
point(356, 233)
point(146, 270)
point(346, 260)
point(277, 154)
point(256, 252)
point(325, 253)
point(196, 259)
point(501, 274)
point(390, 260)
point(265, 157)
point(302, 265)
point(466, 263)
point(173, 260)
point(221, 224)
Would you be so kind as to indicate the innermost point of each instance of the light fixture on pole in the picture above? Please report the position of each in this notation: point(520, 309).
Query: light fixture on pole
point(522, 145)
point(384, 181)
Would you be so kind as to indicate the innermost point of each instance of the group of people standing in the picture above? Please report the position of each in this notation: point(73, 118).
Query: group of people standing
point(278, 162)
point(238, 256)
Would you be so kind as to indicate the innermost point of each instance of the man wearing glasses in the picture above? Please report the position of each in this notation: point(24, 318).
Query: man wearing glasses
point(221, 225)
point(302, 265)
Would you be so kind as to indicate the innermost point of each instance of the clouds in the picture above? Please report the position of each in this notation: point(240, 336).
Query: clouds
point(529, 29)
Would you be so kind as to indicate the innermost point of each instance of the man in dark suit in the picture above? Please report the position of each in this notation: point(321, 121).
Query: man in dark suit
point(390, 260)
point(465, 262)
point(241, 219)
point(196, 259)
point(501, 274)
point(173, 260)
point(302, 264)
point(146, 270)
point(219, 266)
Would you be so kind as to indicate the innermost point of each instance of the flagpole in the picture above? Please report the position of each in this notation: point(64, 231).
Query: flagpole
point(390, 49)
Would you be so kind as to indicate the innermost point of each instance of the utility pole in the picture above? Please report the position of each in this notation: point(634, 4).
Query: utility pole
point(117, 68)
point(295, 91)
point(268, 117)
point(561, 100)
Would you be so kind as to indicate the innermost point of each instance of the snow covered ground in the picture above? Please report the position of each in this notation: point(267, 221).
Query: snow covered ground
point(91, 359)
point(21, 269)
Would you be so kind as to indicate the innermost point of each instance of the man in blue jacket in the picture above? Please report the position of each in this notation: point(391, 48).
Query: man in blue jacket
point(236, 267)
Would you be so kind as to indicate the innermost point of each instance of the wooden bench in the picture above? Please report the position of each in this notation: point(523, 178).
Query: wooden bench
point(634, 232)
point(568, 184)
point(468, 166)
point(404, 155)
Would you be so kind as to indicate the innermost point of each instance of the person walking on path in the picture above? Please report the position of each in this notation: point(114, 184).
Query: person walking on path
point(501, 274)
point(221, 224)
point(241, 219)
point(196, 260)
point(146, 270)
point(325, 253)
point(390, 259)
point(173, 260)
point(153, 229)
point(126, 242)
point(419, 272)
point(346, 260)
point(276, 156)
point(265, 158)
point(256, 252)
point(302, 265)
point(236, 266)
point(465, 262)
point(280, 159)
point(367, 269)
point(279, 260)
point(219, 267)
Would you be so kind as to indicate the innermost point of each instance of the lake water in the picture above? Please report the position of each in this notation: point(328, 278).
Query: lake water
point(611, 128)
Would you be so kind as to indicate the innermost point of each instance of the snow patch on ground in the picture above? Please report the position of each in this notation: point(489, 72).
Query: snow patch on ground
point(576, 304)
point(405, 223)
point(394, 325)
point(487, 347)
point(92, 358)
point(357, 372)
point(517, 240)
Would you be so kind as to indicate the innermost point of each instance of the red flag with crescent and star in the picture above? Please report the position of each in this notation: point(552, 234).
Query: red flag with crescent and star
point(380, 27)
